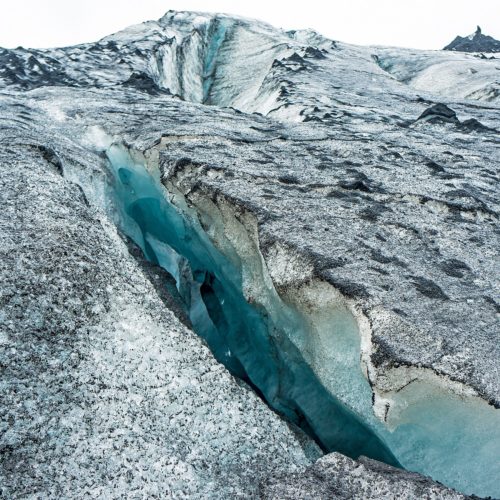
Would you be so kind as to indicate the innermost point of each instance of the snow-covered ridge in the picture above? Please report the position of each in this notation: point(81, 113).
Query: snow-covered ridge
point(456, 74)
point(249, 65)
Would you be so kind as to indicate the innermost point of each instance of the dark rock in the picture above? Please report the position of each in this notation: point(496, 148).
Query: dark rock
point(476, 42)
point(337, 477)
point(357, 185)
point(144, 83)
point(474, 125)
point(438, 113)
point(435, 167)
point(314, 53)
point(455, 268)
point(289, 179)
point(429, 288)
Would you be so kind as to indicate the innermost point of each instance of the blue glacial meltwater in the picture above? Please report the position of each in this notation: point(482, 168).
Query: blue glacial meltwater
point(452, 439)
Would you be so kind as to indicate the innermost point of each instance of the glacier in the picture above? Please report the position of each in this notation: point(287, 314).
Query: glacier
point(270, 347)
point(254, 343)
point(331, 234)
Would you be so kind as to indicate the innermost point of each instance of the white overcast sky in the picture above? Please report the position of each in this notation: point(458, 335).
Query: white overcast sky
point(426, 24)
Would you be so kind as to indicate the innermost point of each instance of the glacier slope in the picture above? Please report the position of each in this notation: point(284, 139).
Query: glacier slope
point(104, 392)
point(452, 75)
point(397, 215)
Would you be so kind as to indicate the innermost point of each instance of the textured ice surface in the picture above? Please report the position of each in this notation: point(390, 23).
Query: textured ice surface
point(425, 429)
point(105, 394)
point(336, 476)
point(396, 216)
point(455, 75)
point(256, 343)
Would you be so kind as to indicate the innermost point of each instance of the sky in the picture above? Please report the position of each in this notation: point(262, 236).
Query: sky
point(424, 24)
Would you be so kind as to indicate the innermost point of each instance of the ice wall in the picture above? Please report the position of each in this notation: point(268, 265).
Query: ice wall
point(301, 352)
point(186, 63)
point(253, 342)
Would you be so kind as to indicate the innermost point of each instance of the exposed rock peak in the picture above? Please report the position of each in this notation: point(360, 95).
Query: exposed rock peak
point(476, 42)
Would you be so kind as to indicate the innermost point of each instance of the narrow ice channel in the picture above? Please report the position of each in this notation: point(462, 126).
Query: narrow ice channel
point(451, 439)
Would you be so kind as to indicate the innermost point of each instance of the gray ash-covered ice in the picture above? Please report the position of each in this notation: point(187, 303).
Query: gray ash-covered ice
point(104, 392)
point(336, 476)
point(343, 192)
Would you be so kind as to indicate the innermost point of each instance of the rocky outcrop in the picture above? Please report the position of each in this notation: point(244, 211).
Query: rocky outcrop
point(336, 476)
point(477, 42)
point(440, 113)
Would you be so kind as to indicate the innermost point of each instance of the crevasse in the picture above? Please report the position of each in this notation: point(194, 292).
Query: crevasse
point(251, 342)
point(216, 35)
point(450, 438)
point(186, 66)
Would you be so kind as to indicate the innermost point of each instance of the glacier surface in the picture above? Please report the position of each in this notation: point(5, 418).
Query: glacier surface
point(329, 246)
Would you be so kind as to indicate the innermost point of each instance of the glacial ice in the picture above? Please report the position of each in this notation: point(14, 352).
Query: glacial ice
point(186, 65)
point(217, 33)
point(252, 342)
point(277, 350)
point(300, 349)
